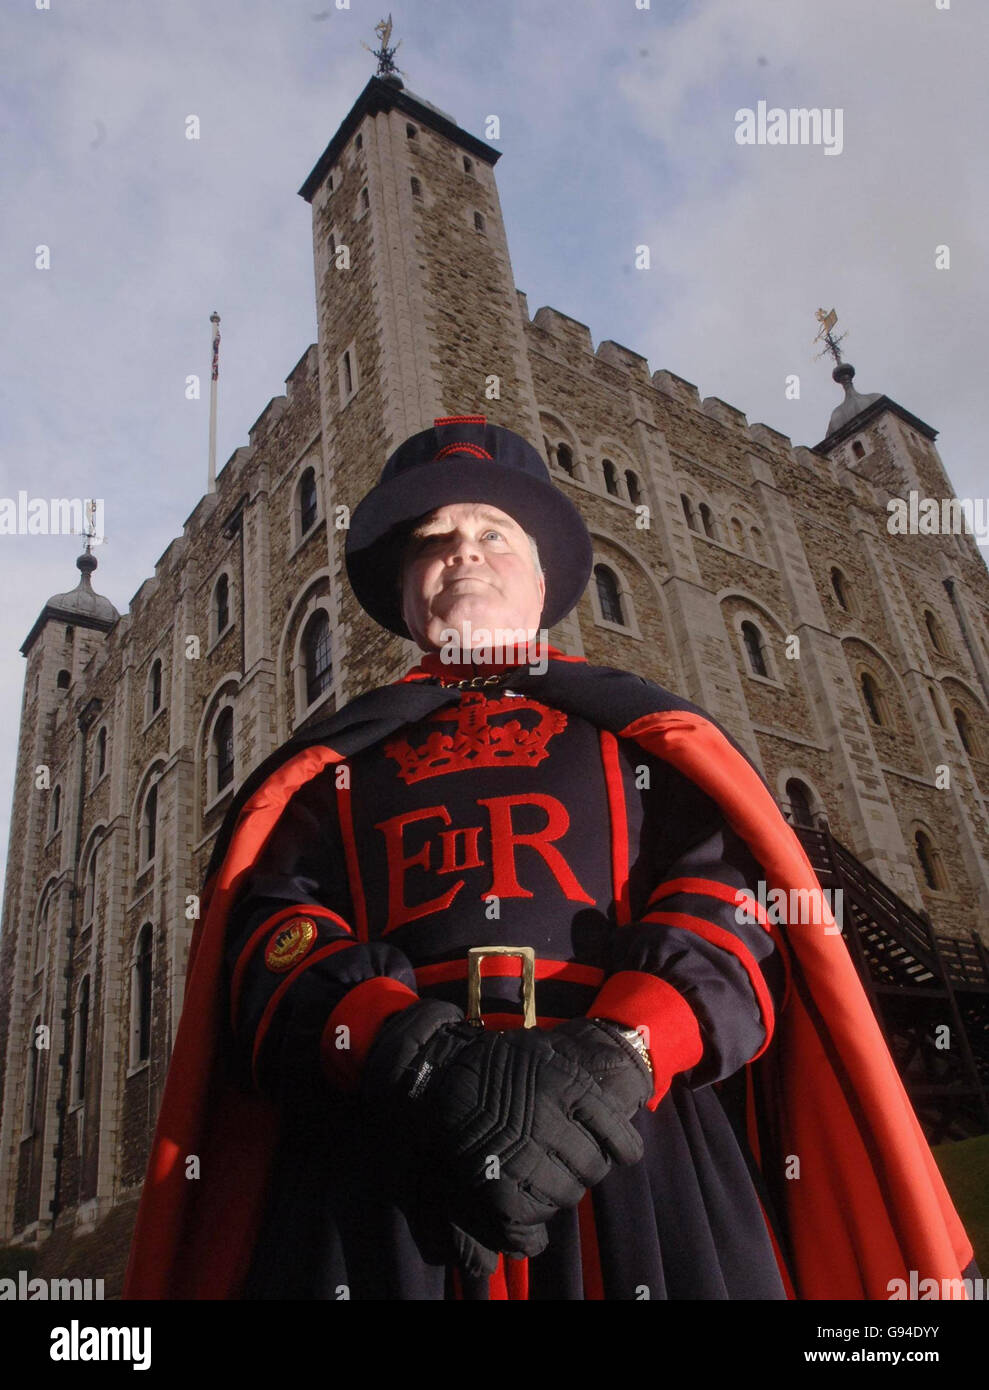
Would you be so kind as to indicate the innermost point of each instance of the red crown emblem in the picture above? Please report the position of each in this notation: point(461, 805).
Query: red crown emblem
point(474, 742)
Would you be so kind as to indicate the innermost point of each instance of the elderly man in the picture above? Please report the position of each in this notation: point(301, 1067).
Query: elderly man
point(376, 1111)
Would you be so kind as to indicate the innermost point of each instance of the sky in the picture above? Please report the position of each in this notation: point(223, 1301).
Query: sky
point(617, 130)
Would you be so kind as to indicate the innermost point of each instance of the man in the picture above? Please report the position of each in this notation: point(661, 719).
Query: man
point(704, 1108)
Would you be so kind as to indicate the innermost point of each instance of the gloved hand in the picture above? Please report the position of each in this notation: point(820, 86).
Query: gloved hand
point(504, 1128)
point(614, 1063)
point(417, 1161)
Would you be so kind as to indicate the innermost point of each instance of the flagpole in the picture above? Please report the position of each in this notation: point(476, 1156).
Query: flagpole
point(214, 319)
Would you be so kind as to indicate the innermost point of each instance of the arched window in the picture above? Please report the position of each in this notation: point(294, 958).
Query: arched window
point(610, 476)
point(965, 732)
point(149, 824)
point(89, 888)
point(62, 680)
point(56, 808)
point(411, 131)
point(41, 937)
point(934, 632)
point(929, 860)
point(737, 534)
point(153, 701)
point(634, 491)
point(858, 449)
point(564, 458)
point(707, 520)
point(223, 748)
point(101, 752)
point(318, 655)
point(838, 585)
point(358, 141)
point(799, 799)
point(688, 511)
point(307, 497)
point(753, 649)
point(609, 594)
point(140, 997)
point(80, 1041)
point(348, 374)
point(478, 222)
point(221, 604)
point(31, 1080)
point(416, 187)
point(872, 698)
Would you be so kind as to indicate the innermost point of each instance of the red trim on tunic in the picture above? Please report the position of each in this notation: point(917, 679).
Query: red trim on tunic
point(712, 889)
point(673, 1041)
point(718, 936)
point(497, 1288)
point(510, 967)
point(618, 815)
point(517, 1279)
point(346, 818)
point(590, 1255)
point(753, 907)
point(361, 1011)
point(279, 994)
point(268, 925)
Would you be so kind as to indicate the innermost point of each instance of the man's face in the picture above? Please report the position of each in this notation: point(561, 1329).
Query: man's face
point(469, 563)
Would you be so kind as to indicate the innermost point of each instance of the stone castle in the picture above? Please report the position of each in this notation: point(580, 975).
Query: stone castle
point(756, 578)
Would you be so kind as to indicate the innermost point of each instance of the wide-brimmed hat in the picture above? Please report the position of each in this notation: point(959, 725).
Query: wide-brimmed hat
point(462, 458)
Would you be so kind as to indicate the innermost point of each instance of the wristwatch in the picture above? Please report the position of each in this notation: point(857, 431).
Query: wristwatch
point(631, 1035)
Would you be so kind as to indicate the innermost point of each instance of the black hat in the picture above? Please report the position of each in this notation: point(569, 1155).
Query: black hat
point(464, 459)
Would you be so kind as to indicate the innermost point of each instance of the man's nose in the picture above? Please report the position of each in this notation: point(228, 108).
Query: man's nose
point(463, 547)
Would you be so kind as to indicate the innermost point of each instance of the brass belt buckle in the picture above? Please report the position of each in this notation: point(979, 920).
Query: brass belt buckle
point(528, 955)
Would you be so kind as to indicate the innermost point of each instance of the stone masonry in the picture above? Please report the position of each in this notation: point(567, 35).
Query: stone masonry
point(720, 548)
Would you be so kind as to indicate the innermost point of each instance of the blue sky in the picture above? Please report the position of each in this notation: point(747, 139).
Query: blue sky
point(617, 129)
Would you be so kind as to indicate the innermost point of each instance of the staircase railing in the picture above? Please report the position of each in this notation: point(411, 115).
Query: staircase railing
point(916, 980)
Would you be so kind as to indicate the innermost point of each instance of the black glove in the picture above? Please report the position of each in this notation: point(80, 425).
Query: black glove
point(509, 1126)
point(415, 1161)
point(614, 1063)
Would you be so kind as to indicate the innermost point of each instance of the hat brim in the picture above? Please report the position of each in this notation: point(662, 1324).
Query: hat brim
point(372, 551)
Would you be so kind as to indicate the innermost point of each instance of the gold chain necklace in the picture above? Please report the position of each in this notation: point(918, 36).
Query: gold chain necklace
point(475, 682)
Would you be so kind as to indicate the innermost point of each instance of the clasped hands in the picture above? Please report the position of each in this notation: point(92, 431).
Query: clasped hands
point(485, 1134)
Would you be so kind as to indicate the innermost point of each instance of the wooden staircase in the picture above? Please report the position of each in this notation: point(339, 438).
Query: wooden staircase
point(929, 992)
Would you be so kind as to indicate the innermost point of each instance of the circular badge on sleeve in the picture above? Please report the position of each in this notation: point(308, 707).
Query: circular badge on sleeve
point(289, 944)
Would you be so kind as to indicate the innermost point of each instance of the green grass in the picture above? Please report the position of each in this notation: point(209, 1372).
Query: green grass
point(965, 1169)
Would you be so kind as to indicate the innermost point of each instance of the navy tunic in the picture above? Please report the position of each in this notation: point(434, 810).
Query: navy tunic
point(501, 821)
